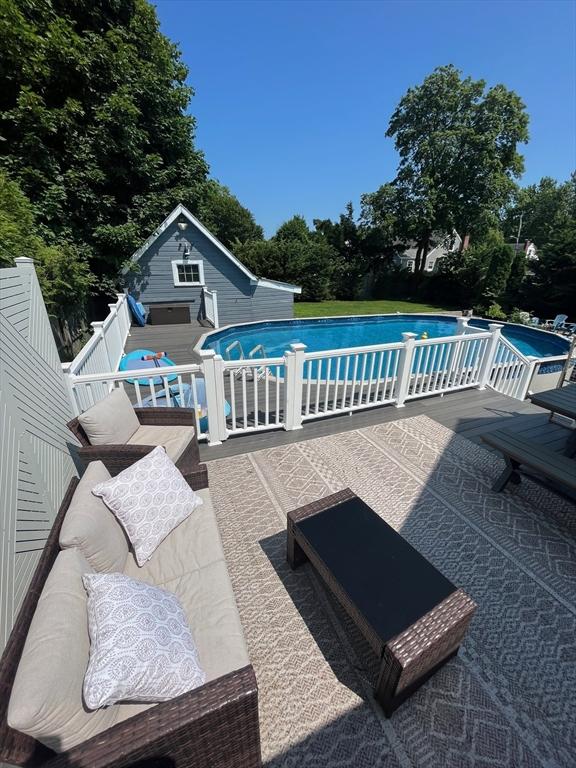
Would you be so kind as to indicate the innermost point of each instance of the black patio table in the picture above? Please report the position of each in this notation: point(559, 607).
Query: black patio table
point(562, 401)
point(413, 617)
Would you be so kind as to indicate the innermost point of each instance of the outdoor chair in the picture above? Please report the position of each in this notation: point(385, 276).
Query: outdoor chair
point(116, 433)
point(557, 323)
point(524, 456)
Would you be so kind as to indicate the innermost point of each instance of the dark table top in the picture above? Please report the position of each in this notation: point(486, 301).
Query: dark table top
point(389, 581)
point(561, 400)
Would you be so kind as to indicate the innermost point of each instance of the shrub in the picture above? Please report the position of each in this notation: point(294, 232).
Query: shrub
point(519, 316)
point(494, 311)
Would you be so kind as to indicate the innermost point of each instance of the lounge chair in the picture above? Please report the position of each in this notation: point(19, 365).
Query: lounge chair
point(557, 323)
point(525, 457)
point(116, 433)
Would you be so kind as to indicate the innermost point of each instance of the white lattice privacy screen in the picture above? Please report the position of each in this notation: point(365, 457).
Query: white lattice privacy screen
point(35, 464)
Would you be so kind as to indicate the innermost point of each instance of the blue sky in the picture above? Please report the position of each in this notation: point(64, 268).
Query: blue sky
point(293, 98)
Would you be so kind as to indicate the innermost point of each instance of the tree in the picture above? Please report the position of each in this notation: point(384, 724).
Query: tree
point(365, 247)
point(499, 257)
point(294, 255)
point(224, 215)
point(457, 143)
point(534, 209)
point(478, 276)
point(553, 286)
point(516, 277)
point(63, 274)
point(346, 238)
point(294, 230)
point(92, 112)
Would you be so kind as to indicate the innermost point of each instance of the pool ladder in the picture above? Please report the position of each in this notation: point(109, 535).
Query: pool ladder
point(260, 372)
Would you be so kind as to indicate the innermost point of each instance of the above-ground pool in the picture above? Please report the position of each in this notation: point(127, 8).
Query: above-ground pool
point(343, 332)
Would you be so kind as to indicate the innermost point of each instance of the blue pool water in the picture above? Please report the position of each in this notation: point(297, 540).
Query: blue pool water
point(338, 333)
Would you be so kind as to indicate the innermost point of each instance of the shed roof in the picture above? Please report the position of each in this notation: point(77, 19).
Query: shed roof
point(181, 210)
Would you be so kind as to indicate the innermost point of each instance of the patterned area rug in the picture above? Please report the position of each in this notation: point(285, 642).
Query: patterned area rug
point(508, 699)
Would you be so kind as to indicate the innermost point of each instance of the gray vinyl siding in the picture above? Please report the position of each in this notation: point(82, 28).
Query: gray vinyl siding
point(239, 301)
point(272, 304)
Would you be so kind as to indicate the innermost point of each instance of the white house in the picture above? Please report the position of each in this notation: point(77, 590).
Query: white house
point(445, 244)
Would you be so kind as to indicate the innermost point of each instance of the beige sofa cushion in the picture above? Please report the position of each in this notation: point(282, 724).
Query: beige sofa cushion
point(46, 700)
point(112, 421)
point(92, 527)
point(208, 601)
point(174, 439)
point(190, 562)
point(192, 545)
point(210, 607)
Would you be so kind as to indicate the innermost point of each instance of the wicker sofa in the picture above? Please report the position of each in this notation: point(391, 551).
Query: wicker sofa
point(175, 428)
point(214, 725)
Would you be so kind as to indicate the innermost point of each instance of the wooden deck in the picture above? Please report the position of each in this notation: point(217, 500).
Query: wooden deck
point(469, 412)
point(177, 341)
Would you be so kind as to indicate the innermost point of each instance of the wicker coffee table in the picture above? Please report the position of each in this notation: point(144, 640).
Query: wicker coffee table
point(412, 616)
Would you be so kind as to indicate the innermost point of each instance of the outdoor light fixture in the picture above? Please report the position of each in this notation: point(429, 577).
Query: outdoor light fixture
point(182, 224)
point(187, 251)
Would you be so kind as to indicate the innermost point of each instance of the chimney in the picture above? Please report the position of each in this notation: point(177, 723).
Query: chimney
point(466, 242)
point(526, 246)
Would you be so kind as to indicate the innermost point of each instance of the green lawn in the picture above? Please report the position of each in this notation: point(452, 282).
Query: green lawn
point(327, 308)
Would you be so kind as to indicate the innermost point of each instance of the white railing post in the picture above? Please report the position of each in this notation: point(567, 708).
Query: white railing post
point(293, 377)
point(213, 368)
point(24, 262)
point(215, 309)
point(461, 325)
point(69, 382)
point(127, 316)
point(123, 323)
point(405, 368)
point(526, 378)
point(489, 355)
point(116, 348)
point(98, 331)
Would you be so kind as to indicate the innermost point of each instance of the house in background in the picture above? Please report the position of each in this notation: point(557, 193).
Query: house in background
point(445, 244)
point(176, 271)
point(529, 249)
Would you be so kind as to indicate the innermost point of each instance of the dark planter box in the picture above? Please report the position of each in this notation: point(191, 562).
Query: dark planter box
point(169, 314)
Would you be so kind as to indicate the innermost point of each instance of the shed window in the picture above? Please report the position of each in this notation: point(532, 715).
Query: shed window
point(188, 272)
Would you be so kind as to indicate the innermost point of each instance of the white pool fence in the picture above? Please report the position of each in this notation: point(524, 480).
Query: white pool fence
point(233, 397)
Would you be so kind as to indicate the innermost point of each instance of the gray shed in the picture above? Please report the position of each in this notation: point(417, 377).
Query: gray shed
point(182, 264)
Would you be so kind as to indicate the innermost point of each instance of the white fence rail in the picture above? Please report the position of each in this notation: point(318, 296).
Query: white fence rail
point(181, 385)
point(234, 397)
point(211, 307)
point(346, 380)
point(447, 364)
point(105, 348)
point(512, 371)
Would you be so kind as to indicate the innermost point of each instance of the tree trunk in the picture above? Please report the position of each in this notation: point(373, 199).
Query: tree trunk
point(423, 247)
point(418, 259)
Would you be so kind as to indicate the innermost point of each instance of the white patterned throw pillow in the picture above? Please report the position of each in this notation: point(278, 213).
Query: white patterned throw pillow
point(141, 648)
point(150, 499)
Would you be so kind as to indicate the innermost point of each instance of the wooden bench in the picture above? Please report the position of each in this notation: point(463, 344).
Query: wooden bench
point(527, 457)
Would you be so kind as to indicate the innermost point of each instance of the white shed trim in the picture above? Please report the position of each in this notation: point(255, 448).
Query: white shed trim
point(181, 210)
point(180, 262)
